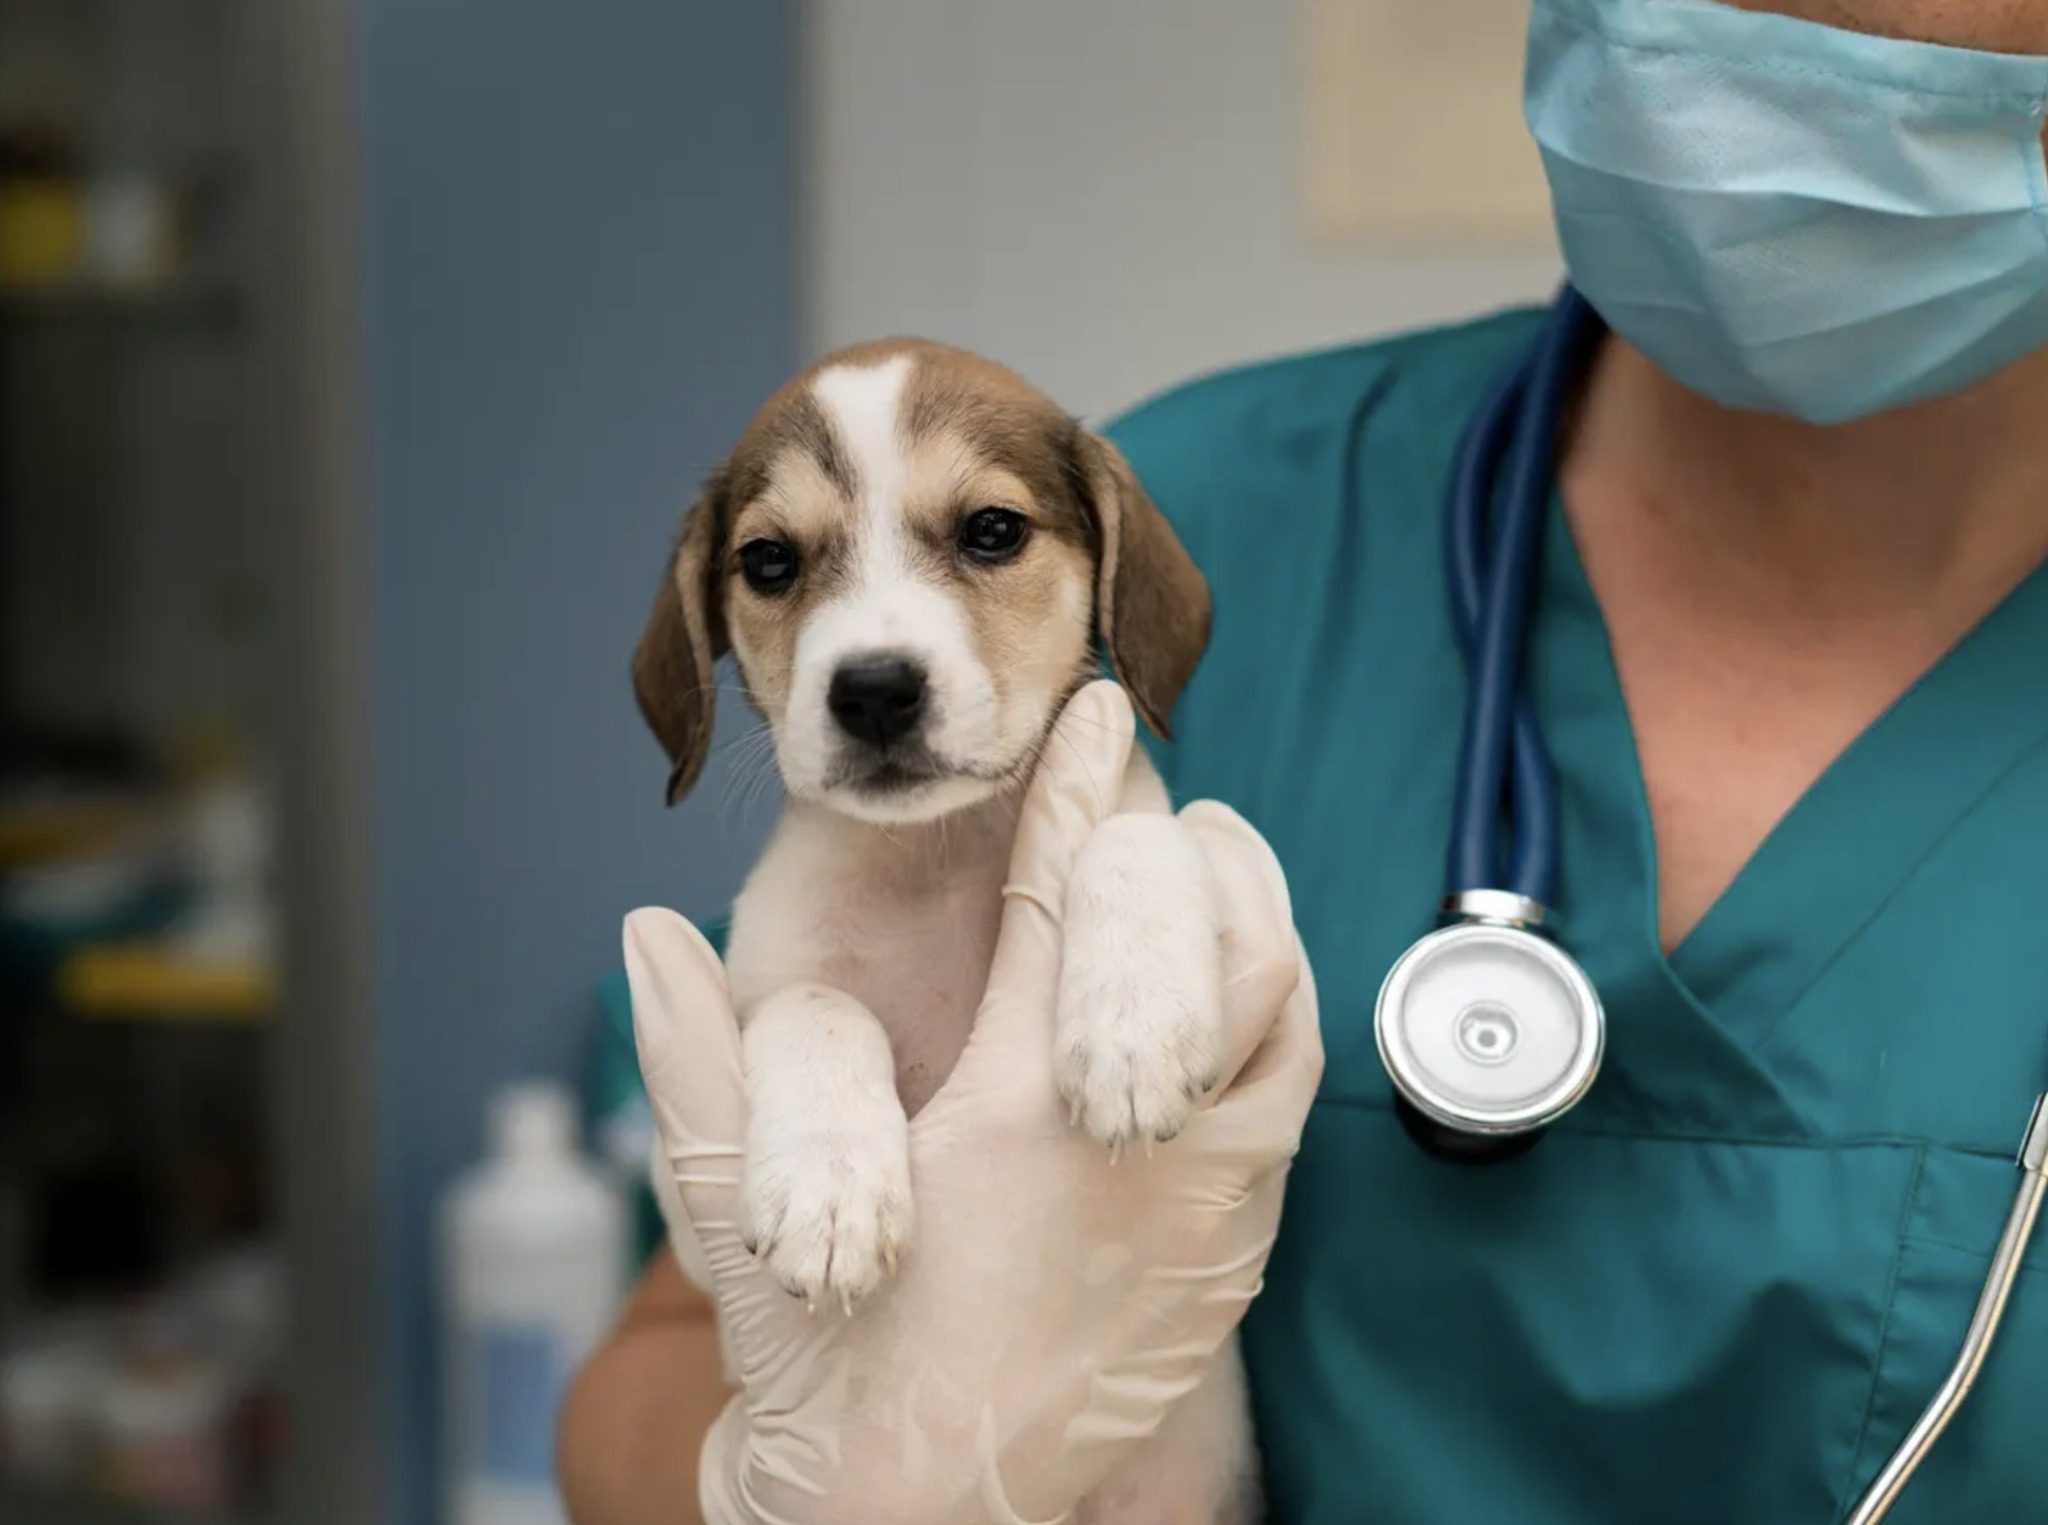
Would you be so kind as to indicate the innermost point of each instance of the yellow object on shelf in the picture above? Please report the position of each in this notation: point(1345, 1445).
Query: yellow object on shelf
point(42, 230)
point(49, 831)
point(158, 982)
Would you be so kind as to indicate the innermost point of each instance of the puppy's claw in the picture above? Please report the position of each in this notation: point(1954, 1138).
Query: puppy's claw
point(840, 1208)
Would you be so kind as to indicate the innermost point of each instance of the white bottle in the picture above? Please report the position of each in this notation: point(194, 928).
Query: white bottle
point(533, 1246)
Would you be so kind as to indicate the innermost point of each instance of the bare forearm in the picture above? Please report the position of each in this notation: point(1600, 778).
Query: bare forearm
point(637, 1414)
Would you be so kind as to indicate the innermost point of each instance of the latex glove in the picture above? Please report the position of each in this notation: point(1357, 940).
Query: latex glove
point(1055, 1302)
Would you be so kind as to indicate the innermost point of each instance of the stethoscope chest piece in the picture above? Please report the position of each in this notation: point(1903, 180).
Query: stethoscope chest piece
point(1491, 1033)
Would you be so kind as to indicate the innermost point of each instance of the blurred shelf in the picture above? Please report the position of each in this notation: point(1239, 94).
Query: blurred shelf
point(29, 1506)
point(56, 830)
point(154, 982)
point(209, 304)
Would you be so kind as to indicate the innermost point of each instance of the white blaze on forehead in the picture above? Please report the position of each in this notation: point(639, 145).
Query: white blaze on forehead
point(883, 603)
point(862, 405)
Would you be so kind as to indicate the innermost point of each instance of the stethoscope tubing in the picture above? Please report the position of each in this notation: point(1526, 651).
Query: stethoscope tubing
point(1533, 776)
point(1519, 427)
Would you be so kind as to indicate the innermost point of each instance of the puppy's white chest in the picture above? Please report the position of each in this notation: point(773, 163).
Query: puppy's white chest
point(912, 942)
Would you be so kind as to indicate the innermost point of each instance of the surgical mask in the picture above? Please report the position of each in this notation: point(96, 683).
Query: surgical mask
point(1787, 217)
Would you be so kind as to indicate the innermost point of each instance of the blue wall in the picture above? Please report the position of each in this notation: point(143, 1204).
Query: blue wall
point(580, 281)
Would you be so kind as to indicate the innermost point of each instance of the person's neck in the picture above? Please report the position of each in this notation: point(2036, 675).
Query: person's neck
point(1949, 496)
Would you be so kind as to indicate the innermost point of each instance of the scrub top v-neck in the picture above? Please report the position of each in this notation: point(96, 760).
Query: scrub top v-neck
point(1724, 1287)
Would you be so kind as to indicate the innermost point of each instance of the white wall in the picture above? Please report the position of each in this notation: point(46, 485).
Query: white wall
point(1100, 193)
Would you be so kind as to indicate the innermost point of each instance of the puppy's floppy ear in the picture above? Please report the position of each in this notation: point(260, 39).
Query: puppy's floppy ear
point(674, 667)
point(1151, 602)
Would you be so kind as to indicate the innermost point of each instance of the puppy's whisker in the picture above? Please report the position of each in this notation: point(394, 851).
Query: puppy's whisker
point(750, 754)
point(741, 790)
point(752, 740)
point(766, 777)
point(1084, 762)
point(753, 773)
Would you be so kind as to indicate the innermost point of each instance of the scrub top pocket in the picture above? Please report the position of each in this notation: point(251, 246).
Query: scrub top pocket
point(1987, 1466)
point(1613, 1328)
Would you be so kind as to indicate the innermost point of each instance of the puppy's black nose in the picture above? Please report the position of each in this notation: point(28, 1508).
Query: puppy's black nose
point(877, 699)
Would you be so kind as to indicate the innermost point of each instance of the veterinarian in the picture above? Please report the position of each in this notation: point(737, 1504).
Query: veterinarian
point(1785, 638)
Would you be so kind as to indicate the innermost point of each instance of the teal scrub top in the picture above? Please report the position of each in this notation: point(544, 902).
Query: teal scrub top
point(1722, 1289)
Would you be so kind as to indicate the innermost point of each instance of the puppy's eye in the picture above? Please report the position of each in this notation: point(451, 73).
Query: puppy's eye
point(993, 534)
point(768, 565)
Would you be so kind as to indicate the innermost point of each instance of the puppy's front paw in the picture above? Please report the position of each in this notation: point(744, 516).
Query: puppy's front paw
point(829, 1212)
point(1133, 1069)
point(1141, 1002)
point(825, 1191)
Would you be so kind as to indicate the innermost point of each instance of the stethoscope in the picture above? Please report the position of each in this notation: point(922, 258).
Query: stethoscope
point(1489, 1029)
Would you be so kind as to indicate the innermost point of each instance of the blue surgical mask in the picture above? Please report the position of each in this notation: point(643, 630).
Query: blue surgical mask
point(1791, 218)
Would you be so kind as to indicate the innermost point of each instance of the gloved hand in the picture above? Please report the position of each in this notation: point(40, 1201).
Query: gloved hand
point(1055, 1301)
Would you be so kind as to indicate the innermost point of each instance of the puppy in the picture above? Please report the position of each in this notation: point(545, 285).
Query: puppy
point(913, 555)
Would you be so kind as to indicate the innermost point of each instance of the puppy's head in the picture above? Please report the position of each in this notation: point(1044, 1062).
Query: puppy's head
point(911, 553)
